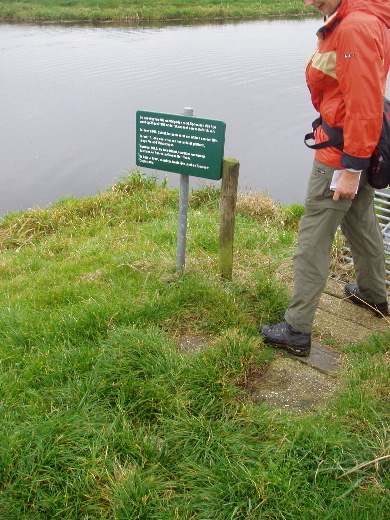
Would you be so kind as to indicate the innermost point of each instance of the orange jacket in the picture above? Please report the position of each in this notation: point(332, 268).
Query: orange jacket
point(346, 77)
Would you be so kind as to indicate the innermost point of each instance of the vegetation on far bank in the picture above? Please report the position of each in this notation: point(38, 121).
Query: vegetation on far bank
point(146, 10)
point(104, 416)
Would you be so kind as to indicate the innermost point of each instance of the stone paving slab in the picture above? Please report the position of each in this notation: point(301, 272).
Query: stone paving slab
point(323, 359)
point(292, 386)
point(339, 319)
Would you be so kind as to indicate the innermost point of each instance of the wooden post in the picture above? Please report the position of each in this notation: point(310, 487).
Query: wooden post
point(230, 171)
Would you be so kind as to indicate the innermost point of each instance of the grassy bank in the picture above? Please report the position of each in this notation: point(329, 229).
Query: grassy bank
point(144, 10)
point(104, 416)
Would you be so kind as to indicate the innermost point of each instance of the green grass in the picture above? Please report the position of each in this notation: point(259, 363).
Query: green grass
point(145, 10)
point(103, 416)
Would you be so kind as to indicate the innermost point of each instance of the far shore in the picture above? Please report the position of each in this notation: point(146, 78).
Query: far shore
point(135, 11)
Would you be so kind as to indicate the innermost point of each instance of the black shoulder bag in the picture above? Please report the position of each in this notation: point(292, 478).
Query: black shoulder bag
point(378, 173)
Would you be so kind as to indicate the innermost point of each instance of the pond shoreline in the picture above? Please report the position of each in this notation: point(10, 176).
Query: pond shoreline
point(138, 21)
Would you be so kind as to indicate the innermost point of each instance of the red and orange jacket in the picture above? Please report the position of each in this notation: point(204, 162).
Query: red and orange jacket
point(346, 77)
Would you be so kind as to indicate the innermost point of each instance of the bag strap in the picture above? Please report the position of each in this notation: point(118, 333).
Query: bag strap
point(335, 135)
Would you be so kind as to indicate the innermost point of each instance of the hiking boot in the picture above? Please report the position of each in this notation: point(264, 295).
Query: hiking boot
point(286, 337)
point(353, 293)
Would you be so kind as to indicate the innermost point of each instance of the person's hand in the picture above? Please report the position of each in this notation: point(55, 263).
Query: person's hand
point(346, 185)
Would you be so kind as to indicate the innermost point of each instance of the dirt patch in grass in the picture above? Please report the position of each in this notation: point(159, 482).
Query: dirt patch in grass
point(193, 343)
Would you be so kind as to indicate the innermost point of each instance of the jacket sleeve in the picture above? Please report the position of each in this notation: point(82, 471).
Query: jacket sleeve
point(362, 80)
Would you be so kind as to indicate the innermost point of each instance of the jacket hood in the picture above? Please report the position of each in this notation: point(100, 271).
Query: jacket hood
point(379, 8)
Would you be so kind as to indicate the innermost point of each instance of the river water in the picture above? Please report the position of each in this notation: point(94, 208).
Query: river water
point(69, 96)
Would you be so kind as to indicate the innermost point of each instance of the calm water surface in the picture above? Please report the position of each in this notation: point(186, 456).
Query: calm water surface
point(69, 94)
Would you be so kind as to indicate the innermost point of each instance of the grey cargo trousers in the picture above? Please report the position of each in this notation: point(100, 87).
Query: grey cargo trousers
point(316, 234)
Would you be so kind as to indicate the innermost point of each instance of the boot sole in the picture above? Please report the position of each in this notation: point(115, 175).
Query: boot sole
point(288, 348)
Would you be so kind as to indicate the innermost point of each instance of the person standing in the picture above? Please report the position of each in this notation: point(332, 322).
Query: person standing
point(346, 76)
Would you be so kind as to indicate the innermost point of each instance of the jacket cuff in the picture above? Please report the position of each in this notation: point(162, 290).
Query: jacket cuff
point(355, 163)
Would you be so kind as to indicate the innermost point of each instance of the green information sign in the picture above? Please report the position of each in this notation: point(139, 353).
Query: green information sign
point(180, 144)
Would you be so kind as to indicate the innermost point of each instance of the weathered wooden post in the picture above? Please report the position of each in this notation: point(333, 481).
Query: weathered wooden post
point(230, 171)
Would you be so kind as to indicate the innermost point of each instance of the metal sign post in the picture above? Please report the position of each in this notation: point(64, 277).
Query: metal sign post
point(183, 212)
